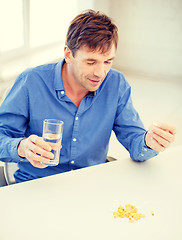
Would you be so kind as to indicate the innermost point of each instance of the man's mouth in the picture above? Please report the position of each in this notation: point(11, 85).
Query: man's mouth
point(94, 81)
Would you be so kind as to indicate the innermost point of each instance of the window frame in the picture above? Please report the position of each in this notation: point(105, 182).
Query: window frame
point(27, 56)
point(26, 49)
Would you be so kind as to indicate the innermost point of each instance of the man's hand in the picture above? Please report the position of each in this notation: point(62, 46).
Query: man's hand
point(36, 150)
point(159, 136)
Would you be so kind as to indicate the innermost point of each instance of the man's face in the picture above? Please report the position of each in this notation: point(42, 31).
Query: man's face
point(90, 68)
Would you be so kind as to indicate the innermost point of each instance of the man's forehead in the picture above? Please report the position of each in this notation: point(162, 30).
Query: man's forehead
point(94, 53)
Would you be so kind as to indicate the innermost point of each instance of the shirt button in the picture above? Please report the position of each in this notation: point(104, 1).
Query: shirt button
point(74, 139)
point(76, 118)
point(72, 162)
point(62, 92)
point(145, 149)
point(142, 154)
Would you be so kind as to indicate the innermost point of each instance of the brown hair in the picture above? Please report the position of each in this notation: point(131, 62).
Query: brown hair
point(92, 29)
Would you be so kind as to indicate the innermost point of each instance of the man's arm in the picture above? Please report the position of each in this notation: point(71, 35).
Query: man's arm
point(14, 147)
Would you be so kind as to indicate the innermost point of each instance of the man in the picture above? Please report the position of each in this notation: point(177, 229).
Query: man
point(83, 91)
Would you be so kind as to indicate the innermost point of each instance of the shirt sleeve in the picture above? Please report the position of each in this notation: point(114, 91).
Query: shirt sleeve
point(13, 121)
point(129, 128)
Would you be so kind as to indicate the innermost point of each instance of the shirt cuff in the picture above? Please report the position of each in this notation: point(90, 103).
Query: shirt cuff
point(13, 151)
point(146, 152)
point(139, 151)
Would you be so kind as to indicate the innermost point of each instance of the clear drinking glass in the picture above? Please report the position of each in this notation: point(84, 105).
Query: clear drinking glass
point(52, 133)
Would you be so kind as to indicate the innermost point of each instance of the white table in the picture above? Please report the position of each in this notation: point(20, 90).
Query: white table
point(80, 204)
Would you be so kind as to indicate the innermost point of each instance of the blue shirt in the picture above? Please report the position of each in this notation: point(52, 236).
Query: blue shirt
point(39, 94)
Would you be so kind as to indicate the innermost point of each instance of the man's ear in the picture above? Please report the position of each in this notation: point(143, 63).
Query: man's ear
point(67, 54)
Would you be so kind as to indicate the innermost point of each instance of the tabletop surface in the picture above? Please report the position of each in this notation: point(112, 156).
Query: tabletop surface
point(80, 204)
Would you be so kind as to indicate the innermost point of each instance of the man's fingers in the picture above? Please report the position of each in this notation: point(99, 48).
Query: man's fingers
point(154, 144)
point(40, 142)
point(56, 146)
point(37, 150)
point(35, 157)
point(166, 127)
point(160, 140)
point(160, 136)
point(37, 164)
point(163, 134)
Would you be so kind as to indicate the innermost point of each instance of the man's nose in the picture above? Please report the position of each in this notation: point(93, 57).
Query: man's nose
point(99, 71)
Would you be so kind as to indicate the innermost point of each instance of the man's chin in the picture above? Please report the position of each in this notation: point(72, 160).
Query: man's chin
point(94, 85)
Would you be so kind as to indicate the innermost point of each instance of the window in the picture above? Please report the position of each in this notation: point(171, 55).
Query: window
point(34, 23)
point(11, 24)
point(51, 25)
point(32, 33)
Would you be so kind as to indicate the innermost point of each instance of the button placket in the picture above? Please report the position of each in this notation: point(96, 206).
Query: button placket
point(74, 143)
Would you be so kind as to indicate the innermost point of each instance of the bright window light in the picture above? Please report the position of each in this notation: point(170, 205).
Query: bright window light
point(11, 25)
point(49, 20)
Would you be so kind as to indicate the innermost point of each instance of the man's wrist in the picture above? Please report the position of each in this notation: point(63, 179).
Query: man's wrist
point(20, 152)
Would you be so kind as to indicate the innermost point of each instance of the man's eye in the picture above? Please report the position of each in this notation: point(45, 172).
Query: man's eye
point(107, 62)
point(90, 63)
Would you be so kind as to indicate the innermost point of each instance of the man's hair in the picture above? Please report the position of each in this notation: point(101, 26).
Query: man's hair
point(92, 29)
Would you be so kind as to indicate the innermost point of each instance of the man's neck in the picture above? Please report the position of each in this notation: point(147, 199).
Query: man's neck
point(73, 90)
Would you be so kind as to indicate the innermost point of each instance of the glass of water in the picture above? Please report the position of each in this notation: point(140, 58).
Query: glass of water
point(52, 133)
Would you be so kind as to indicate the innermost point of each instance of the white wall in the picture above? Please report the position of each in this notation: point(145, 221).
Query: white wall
point(98, 5)
point(102, 5)
point(83, 5)
point(150, 34)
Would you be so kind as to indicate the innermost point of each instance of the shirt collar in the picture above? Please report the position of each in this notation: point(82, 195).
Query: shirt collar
point(91, 94)
point(58, 81)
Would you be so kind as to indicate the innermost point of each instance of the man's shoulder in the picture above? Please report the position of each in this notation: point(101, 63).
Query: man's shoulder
point(115, 84)
point(39, 70)
point(117, 79)
point(116, 75)
point(37, 74)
